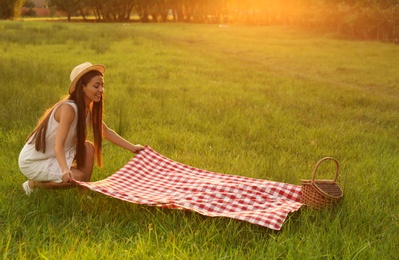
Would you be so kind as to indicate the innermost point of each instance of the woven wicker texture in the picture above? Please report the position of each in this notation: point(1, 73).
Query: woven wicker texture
point(321, 193)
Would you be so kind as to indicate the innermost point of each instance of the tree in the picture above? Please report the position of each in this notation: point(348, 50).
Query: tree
point(118, 10)
point(70, 7)
point(10, 9)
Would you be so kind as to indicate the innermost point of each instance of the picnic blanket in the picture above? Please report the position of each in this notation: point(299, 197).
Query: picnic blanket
point(152, 179)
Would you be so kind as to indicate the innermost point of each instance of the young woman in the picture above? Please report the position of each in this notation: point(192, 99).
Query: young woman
point(57, 150)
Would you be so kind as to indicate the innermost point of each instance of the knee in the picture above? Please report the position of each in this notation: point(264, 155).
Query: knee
point(89, 149)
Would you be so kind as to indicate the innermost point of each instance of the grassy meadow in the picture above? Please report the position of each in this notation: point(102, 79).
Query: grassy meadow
point(262, 102)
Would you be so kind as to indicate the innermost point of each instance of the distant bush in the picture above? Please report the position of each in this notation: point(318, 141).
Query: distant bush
point(29, 4)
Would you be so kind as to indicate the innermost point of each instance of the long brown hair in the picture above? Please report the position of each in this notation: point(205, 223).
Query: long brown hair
point(38, 135)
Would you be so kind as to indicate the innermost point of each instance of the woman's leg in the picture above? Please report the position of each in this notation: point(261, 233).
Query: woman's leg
point(80, 174)
point(84, 173)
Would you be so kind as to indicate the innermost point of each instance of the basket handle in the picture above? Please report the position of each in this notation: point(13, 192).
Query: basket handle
point(322, 160)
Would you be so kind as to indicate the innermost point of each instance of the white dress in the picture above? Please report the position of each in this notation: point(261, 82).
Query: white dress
point(41, 166)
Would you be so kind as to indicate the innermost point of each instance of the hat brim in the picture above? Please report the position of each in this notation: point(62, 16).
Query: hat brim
point(98, 67)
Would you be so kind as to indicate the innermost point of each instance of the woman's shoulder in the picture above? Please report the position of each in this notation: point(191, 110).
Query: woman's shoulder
point(66, 109)
point(67, 104)
point(71, 103)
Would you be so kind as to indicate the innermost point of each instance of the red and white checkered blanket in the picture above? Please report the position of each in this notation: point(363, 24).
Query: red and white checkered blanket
point(152, 179)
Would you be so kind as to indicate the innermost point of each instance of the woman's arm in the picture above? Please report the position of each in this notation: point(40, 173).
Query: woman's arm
point(64, 115)
point(113, 137)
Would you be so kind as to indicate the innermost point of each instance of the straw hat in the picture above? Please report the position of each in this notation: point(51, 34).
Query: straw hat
point(82, 69)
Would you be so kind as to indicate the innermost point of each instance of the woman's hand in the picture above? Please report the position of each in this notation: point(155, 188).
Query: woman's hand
point(137, 148)
point(66, 176)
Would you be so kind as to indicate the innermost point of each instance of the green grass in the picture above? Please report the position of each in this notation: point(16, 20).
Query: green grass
point(263, 102)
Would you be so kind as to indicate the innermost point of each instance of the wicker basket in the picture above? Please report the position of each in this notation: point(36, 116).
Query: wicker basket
point(321, 193)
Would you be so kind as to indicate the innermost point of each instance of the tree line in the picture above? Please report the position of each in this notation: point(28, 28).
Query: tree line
point(358, 19)
point(10, 9)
